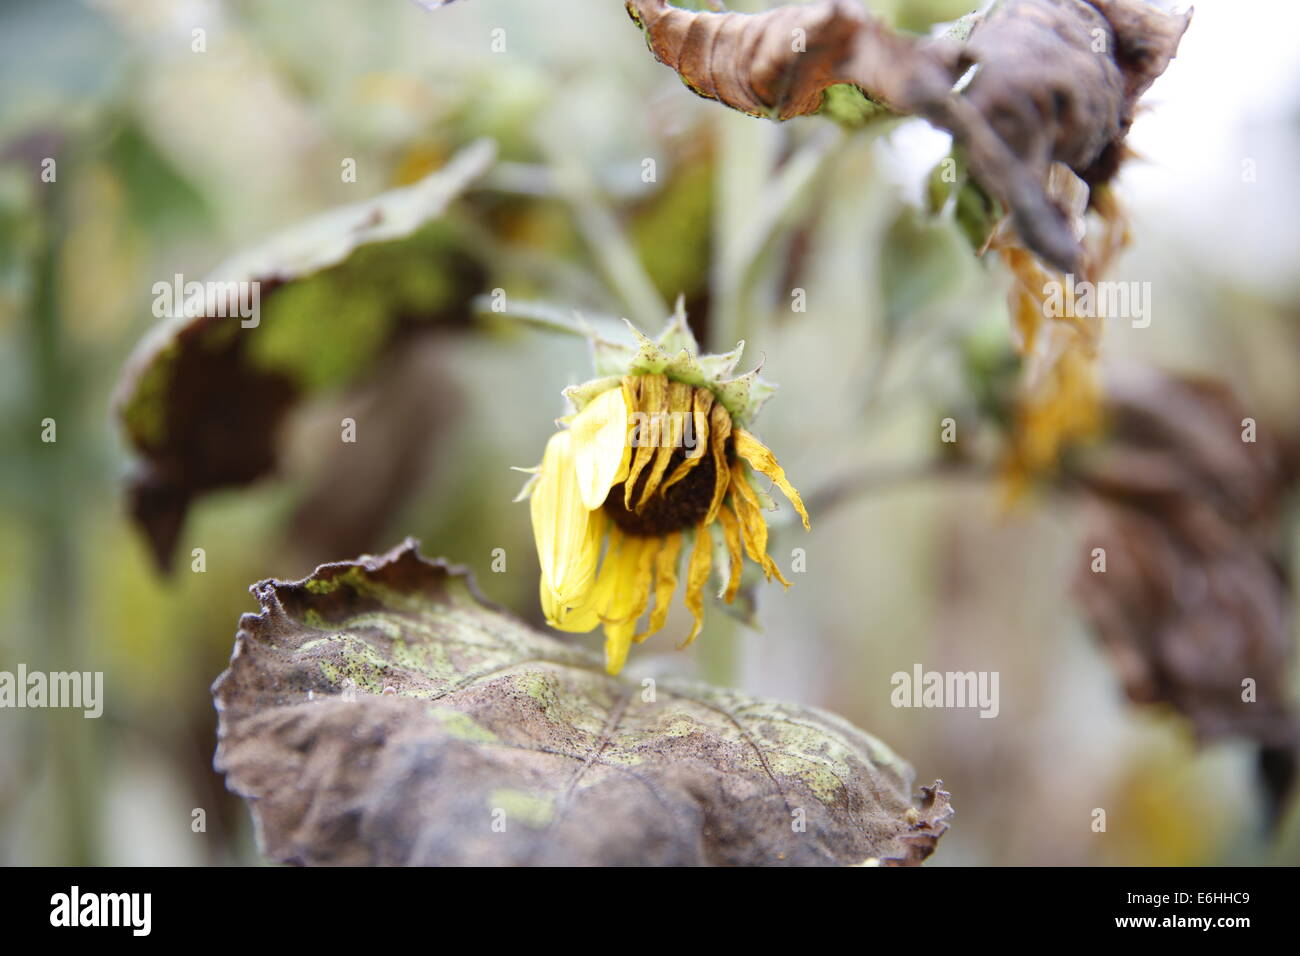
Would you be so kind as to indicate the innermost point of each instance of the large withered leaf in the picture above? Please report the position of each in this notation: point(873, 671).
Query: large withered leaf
point(203, 397)
point(1195, 597)
point(1053, 81)
point(1056, 81)
point(379, 712)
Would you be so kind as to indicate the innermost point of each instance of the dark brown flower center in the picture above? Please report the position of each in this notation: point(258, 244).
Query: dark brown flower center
point(682, 505)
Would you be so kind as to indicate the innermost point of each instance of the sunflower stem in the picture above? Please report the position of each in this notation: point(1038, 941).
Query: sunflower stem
point(746, 227)
point(719, 651)
point(609, 245)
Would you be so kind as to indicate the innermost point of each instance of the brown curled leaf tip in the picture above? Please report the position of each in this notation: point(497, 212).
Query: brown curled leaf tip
point(1146, 39)
point(778, 64)
point(1055, 81)
point(750, 61)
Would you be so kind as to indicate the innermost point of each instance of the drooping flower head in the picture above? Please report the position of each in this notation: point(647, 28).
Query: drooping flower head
point(655, 456)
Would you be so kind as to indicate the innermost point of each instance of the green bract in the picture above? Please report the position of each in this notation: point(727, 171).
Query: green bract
point(676, 354)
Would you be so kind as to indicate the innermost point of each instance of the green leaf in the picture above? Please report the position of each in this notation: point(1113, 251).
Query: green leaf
point(850, 107)
point(379, 712)
point(922, 265)
point(159, 194)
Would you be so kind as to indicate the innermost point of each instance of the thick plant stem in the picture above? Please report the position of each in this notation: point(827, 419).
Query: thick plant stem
point(719, 651)
point(64, 734)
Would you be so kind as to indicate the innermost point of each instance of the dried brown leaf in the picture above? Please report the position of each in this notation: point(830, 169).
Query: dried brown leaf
point(378, 712)
point(204, 398)
point(1195, 598)
point(778, 64)
point(1054, 81)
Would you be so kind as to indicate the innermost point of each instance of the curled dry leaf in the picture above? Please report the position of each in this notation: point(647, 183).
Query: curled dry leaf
point(1057, 81)
point(379, 712)
point(203, 397)
point(1194, 599)
point(1054, 81)
point(1146, 39)
point(779, 64)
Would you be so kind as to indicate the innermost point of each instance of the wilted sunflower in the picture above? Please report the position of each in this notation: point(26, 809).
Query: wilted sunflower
point(654, 457)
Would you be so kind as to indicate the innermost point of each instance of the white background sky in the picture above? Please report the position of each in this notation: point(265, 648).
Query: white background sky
point(1232, 94)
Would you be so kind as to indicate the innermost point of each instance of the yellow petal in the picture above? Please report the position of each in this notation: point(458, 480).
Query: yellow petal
point(568, 541)
point(741, 488)
point(625, 592)
point(590, 611)
point(753, 526)
point(652, 394)
point(618, 638)
point(665, 582)
point(678, 404)
point(719, 432)
point(578, 620)
point(631, 395)
point(731, 532)
point(702, 402)
point(600, 446)
point(628, 590)
point(762, 460)
point(697, 575)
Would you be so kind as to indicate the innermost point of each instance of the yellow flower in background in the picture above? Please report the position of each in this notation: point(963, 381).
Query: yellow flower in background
point(1061, 397)
point(652, 460)
point(1060, 402)
point(1062, 410)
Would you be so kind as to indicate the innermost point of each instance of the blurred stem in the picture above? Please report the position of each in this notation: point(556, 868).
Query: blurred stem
point(539, 182)
point(852, 487)
point(755, 201)
point(552, 317)
point(719, 651)
point(55, 578)
point(614, 254)
point(747, 150)
point(565, 281)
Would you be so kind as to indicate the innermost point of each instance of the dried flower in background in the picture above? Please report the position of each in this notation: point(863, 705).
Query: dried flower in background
point(1193, 605)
